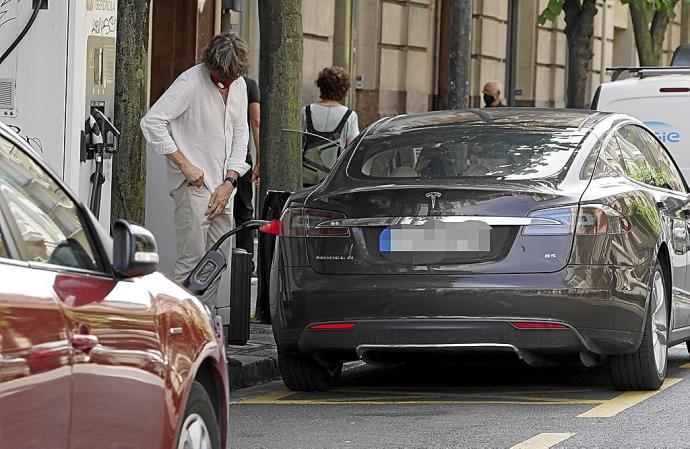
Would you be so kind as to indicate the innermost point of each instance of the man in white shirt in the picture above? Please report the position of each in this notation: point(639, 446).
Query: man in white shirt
point(200, 125)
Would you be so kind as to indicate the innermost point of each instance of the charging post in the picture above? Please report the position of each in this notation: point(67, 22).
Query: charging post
point(57, 81)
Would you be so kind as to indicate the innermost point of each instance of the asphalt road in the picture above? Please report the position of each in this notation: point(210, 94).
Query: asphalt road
point(473, 404)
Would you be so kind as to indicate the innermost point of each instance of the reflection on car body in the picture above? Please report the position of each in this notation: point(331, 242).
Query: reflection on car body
point(85, 346)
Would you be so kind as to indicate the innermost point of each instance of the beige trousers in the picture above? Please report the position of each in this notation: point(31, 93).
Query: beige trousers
point(196, 234)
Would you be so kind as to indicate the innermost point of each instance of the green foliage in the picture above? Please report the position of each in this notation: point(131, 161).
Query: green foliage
point(551, 12)
point(641, 210)
point(647, 175)
point(651, 6)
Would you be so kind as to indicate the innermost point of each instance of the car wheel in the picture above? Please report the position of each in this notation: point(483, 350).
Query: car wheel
point(200, 426)
point(303, 373)
point(645, 369)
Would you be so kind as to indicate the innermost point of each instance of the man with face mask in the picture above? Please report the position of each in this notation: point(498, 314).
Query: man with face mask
point(492, 94)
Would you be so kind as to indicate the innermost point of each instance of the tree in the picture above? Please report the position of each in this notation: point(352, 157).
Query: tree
point(131, 103)
point(650, 19)
point(280, 78)
point(579, 31)
point(460, 51)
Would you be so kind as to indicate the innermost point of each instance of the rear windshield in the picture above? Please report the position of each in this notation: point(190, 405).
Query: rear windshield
point(465, 153)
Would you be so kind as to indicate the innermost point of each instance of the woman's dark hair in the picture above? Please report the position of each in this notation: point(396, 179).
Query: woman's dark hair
point(334, 83)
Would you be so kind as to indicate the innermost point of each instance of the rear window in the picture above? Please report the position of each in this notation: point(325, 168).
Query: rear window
point(487, 152)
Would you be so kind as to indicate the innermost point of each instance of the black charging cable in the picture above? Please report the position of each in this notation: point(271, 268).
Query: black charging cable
point(10, 49)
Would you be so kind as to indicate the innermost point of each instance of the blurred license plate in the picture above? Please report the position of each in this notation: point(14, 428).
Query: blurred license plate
point(436, 236)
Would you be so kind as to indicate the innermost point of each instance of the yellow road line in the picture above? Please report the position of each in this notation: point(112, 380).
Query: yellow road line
point(268, 398)
point(387, 394)
point(365, 401)
point(543, 441)
point(624, 401)
point(686, 366)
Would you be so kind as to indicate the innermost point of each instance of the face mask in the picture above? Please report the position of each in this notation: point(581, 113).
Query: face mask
point(488, 99)
point(220, 82)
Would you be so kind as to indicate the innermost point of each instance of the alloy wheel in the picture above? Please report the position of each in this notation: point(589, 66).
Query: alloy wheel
point(194, 434)
point(659, 322)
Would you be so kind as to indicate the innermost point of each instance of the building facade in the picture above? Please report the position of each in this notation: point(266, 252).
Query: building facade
point(396, 50)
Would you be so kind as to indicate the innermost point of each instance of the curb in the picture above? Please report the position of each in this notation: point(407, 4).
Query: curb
point(245, 371)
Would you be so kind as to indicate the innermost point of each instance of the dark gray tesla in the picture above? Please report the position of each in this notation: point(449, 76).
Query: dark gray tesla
point(539, 232)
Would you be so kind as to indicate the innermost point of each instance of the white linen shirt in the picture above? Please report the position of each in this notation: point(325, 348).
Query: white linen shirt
point(191, 117)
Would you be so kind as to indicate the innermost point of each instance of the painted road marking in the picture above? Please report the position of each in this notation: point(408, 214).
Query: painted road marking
point(625, 401)
point(268, 398)
point(387, 397)
point(543, 441)
point(686, 366)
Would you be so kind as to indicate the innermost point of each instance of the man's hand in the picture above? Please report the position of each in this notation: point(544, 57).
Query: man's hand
point(219, 199)
point(256, 174)
point(193, 174)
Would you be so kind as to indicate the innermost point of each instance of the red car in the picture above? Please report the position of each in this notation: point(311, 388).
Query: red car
point(97, 349)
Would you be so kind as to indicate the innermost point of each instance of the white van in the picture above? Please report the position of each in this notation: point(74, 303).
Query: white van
point(659, 97)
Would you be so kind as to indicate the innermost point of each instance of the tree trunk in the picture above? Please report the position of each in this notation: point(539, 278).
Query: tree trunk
point(280, 79)
point(131, 103)
point(649, 38)
point(460, 54)
point(579, 19)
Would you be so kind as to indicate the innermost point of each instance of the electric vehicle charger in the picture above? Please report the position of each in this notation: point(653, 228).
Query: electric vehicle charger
point(211, 267)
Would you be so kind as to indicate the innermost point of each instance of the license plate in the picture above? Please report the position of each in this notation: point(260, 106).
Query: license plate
point(437, 236)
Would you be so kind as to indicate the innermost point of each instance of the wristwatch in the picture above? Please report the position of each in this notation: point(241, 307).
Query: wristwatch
point(232, 181)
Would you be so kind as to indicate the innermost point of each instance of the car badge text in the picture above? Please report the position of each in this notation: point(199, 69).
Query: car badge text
point(433, 196)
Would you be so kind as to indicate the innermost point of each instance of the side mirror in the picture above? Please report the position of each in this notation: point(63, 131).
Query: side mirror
point(134, 250)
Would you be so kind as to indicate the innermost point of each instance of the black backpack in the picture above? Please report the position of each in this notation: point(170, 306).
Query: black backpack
point(318, 154)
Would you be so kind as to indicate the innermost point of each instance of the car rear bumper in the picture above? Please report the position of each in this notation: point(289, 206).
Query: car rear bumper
point(457, 335)
point(602, 307)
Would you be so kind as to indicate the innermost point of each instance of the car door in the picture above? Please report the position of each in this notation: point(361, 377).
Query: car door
point(35, 384)
point(118, 376)
point(656, 169)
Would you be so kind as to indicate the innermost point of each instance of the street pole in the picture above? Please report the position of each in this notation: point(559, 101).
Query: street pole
point(460, 54)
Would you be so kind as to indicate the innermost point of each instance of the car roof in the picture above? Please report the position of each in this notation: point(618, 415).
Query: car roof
point(522, 118)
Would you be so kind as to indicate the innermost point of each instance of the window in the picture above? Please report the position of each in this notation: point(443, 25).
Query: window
point(663, 162)
point(641, 158)
point(613, 158)
point(455, 153)
point(47, 222)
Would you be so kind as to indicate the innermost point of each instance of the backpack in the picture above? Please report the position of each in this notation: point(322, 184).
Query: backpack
point(319, 155)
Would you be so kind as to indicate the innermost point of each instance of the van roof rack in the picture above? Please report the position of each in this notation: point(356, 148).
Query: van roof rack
point(648, 71)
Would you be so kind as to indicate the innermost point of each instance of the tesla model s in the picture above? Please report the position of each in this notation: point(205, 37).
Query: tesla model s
point(543, 233)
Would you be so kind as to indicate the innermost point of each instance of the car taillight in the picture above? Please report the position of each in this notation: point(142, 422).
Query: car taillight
point(557, 221)
point(596, 219)
point(298, 222)
point(538, 325)
point(588, 219)
point(272, 227)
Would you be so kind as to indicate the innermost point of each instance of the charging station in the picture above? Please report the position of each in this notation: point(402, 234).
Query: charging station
point(57, 88)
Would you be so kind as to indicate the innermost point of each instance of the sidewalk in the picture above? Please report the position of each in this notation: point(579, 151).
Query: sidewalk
point(256, 362)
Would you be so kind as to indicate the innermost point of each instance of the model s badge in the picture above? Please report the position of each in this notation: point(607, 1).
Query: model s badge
point(432, 198)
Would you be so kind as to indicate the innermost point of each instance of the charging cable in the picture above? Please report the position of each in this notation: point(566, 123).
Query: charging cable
point(29, 24)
